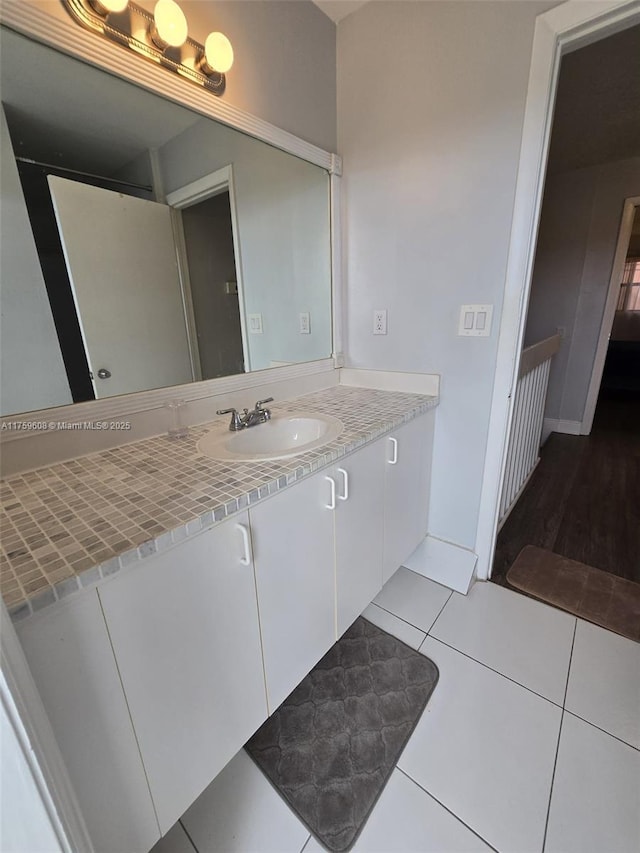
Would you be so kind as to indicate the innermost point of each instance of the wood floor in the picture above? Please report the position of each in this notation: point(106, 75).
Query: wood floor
point(583, 500)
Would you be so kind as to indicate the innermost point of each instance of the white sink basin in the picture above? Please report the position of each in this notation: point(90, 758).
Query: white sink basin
point(279, 438)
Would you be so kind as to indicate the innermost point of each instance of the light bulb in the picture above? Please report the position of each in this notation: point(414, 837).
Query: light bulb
point(169, 25)
point(218, 54)
point(105, 7)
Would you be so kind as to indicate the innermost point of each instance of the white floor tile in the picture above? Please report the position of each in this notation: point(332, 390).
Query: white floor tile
point(175, 841)
point(407, 820)
point(595, 805)
point(394, 626)
point(241, 813)
point(485, 748)
point(604, 682)
point(413, 598)
point(520, 638)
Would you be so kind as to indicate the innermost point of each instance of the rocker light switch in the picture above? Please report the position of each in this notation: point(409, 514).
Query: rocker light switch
point(255, 324)
point(475, 321)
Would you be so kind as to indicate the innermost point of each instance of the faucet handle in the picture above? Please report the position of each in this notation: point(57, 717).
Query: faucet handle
point(266, 413)
point(261, 403)
point(236, 422)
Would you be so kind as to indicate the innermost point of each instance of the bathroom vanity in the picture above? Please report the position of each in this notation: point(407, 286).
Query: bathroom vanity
point(158, 670)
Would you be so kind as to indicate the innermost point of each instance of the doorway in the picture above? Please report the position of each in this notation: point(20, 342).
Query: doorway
point(559, 32)
point(573, 538)
point(208, 247)
point(213, 280)
point(615, 383)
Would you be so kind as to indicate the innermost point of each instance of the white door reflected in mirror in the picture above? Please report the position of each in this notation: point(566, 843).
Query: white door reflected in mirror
point(129, 305)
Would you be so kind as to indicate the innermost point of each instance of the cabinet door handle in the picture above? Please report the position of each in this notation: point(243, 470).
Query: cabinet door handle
point(394, 444)
point(245, 560)
point(345, 489)
point(332, 501)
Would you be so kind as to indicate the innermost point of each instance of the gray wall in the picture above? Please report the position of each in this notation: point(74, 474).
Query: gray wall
point(285, 61)
point(431, 143)
point(24, 304)
point(577, 239)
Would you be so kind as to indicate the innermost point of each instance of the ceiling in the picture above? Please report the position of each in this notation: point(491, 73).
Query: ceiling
point(339, 9)
point(597, 114)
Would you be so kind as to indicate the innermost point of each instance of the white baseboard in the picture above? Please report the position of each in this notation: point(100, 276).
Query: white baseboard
point(558, 425)
point(389, 380)
point(451, 565)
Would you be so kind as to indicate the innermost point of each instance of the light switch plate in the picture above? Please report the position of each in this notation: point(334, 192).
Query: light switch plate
point(475, 321)
point(255, 324)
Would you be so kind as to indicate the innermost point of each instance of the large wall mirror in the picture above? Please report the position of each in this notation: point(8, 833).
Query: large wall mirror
point(144, 245)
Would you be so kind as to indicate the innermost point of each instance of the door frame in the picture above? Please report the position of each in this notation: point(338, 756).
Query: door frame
point(199, 190)
point(624, 236)
point(567, 27)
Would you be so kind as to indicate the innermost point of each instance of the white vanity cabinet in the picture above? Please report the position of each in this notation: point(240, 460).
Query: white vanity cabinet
point(293, 548)
point(358, 518)
point(406, 491)
point(185, 633)
point(157, 677)
point(72, 662)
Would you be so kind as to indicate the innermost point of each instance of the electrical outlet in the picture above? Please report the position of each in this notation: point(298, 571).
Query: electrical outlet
point(562, 331)
point(380, 322)
point(305, 323)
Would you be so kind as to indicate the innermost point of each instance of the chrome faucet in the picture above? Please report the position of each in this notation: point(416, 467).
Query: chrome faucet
point(246, 418)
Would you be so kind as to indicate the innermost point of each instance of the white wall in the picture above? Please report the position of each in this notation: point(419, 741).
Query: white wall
point(283, 222)
point(41, 380)
point(430, 106)
point(577, 240)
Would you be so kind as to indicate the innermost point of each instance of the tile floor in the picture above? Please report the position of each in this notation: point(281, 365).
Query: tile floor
point(530, 741)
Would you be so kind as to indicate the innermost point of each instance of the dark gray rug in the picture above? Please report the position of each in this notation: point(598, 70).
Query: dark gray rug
point(332, 744)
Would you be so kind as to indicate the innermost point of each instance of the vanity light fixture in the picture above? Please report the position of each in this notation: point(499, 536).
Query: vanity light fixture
point(162, 37)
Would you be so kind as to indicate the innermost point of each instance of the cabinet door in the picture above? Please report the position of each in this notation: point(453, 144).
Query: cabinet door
point(407, 483)
point(359, 516)
point(184, 628)
point(293, 548)
point(71, 659)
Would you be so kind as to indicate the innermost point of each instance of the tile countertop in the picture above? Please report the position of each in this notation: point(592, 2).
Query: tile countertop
point(67, 526)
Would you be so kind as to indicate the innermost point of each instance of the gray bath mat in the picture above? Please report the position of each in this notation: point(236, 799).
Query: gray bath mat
point(332, 744)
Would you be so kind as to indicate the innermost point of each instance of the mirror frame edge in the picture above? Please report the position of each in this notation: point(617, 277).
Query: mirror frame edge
point(34, 21)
